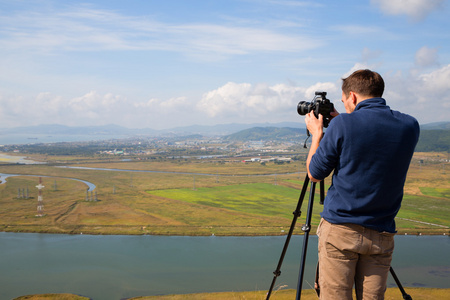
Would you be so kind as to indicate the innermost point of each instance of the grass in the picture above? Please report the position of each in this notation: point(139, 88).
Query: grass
point(281, 294)
point(436, 192)
point(256, 198)
point(52, 297)
point(235, 199)
point(425, 209)
point(391, 294)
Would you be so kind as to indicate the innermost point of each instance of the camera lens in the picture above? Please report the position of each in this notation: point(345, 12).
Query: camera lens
point(304, 107)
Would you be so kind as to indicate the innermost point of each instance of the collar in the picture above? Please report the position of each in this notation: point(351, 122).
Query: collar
point(371, 103)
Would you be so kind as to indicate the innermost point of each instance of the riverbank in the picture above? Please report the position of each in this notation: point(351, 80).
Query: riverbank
point(391, 294)
point(248, 231)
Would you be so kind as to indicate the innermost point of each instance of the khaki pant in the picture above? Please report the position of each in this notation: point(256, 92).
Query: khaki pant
point(350, 255)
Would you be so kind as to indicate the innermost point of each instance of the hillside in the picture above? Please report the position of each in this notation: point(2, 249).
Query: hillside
point(434, 141)
point(436, 126)
point(434, 137)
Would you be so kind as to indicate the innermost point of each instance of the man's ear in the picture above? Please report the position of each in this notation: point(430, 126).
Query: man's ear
point(354, 98)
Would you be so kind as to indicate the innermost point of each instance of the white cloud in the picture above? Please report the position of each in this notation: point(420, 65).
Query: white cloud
point(426, 57)
point(425, 96)
point(415, 9)
point(359, 66)
point(258, 102)
point(240, 100)
point(436, 83)
point(94, 108)
point(85, 29)
point(75, 64)
point(332, 90)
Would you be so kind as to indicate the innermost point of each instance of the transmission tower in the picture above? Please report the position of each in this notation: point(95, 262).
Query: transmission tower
point(40, 206)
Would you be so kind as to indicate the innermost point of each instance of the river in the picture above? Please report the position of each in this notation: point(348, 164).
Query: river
point(3, 178)
point(120, 267)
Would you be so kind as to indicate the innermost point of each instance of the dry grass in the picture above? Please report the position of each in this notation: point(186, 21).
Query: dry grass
point(391, 294)
point(52, 297)
point(151, 203)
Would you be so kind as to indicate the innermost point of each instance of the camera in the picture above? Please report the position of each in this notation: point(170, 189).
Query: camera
point(320, 105)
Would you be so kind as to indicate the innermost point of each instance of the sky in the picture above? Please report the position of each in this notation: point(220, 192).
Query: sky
point(164, 64)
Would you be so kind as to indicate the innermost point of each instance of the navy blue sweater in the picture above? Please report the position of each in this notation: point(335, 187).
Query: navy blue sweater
point(370, 151)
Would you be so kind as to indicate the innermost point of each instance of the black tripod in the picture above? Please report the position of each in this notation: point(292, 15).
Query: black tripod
point(306, 228)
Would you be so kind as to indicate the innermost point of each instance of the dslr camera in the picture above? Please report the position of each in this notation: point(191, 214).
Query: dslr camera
point(320, 105)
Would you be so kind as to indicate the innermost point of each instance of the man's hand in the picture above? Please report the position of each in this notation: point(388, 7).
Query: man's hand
point(334, 113)
point(315, 127)
point(313, 124)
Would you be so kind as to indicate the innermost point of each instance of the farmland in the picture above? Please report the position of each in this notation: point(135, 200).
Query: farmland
point(175, 196)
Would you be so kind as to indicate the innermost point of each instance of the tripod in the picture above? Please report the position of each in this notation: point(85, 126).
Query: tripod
point(306, 228)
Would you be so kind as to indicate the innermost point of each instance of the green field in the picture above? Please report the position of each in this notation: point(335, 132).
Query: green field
point(194, 197)
point(264, 199)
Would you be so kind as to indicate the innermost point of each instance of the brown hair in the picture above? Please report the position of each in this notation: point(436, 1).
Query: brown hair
point(364, 82)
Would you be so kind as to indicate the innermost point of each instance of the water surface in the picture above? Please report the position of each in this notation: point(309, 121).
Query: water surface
point(118, 267)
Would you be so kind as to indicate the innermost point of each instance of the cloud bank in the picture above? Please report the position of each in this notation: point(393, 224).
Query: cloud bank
point(426, 96)
point(93, 63)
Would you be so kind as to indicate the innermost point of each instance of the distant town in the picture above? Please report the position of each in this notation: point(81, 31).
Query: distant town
point(250, 144)
point(267, 148)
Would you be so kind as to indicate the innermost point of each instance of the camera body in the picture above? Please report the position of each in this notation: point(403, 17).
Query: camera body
point(320, 105)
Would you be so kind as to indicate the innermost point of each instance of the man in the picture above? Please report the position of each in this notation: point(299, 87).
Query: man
point(370, 149)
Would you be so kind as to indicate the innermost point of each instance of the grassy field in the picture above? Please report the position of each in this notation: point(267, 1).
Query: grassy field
point(391, 294)
point(52, 297)
point(205, 197)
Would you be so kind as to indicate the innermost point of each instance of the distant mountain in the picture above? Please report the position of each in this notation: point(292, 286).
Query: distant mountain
point(435, 126)
point(266, 133)
point(430, 140)
point(433, 135)
point(226, 129)
point(223, 129)
point(68, 130)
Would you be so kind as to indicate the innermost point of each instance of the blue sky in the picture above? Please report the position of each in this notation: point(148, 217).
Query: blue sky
point(162, 64)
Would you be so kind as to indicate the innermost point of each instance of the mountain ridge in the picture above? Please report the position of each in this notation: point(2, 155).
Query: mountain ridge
point(219, 129)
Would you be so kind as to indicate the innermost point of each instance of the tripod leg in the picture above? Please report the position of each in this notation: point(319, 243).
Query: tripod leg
point(322, 192)
point(306, 229)
point(296, 213)
point(397, 281)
